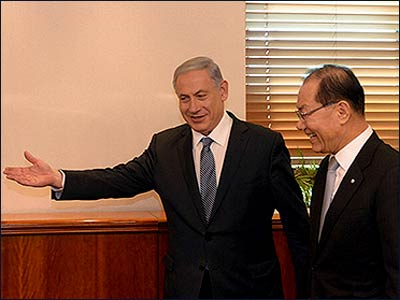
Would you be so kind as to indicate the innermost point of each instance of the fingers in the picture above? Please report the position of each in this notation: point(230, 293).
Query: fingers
point(21, 176)
point(16, 172)
point(29, 157)
point(10, 172)
point(13, 173)
point(38, 175)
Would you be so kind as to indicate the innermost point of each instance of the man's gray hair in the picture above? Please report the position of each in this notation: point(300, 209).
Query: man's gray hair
point(199, 63)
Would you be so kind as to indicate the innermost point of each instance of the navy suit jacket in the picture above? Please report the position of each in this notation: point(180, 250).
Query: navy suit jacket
point(357, 255)
point(236, 245)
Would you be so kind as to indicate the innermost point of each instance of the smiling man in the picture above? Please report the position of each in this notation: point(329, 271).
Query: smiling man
point(201, 99)
point(220, 180)
point(354, 205)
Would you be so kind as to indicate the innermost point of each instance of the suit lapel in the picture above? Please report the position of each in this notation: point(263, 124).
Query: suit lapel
point(185, 153)
point(348, 187)
point(344, 194)
point(234, 153)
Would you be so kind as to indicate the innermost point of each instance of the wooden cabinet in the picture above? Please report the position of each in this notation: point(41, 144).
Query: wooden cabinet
point(94, 255)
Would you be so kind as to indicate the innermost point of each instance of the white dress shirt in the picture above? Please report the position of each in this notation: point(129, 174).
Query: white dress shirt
point(347, 155)
point(220, 136)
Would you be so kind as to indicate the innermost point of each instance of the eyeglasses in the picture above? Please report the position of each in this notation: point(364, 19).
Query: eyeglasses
point(302, 115)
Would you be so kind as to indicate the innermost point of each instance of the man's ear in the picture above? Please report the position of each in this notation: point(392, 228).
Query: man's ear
point(344, 111)
point(223, 89)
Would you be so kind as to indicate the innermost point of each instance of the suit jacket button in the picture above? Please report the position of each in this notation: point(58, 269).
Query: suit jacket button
point(207, 236)
point(314, 268)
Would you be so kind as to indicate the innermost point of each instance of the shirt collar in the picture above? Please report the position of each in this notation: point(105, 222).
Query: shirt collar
point(220, 133)
point(346, 156)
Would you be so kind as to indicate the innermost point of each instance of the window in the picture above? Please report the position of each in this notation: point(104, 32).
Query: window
point(286, 38)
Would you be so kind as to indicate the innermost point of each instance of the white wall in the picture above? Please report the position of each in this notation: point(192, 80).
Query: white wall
point(86, 84)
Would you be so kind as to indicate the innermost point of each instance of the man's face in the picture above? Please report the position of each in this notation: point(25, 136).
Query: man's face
point(322, 126)
point(201, 102)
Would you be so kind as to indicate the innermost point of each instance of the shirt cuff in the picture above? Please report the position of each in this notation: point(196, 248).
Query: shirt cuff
point(58, 191)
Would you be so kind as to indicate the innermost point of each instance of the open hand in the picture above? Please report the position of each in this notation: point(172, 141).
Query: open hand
point(40, 174)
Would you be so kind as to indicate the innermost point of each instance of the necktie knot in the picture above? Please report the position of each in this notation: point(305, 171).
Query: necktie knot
point(206, 141)
point(333, 164)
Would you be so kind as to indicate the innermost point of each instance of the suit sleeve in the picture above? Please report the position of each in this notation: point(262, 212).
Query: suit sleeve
point(122, 181)
point(293, 213)
point(387, 221)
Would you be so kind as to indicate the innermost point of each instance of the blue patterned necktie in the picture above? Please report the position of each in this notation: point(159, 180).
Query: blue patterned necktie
point(208, 179)
point(329, 188)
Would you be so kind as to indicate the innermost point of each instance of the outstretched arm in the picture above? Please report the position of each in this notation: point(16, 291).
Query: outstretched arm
point(40, 174)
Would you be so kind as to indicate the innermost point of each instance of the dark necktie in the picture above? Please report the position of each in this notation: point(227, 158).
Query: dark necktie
point(208, 179)
point(329, 188)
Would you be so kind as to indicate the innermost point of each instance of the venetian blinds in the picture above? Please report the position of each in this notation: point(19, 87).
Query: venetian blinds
point(286, 38)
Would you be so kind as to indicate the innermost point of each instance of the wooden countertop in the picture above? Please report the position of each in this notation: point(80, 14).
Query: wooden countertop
point(38, 223)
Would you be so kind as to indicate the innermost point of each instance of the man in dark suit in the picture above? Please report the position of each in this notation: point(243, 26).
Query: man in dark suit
point(354, 205)
point(222, 247)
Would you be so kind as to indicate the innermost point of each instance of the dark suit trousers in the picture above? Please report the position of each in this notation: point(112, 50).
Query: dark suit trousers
point(205, 290)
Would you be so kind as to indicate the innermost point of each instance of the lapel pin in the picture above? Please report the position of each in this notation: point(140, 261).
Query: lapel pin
point(352, 180)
